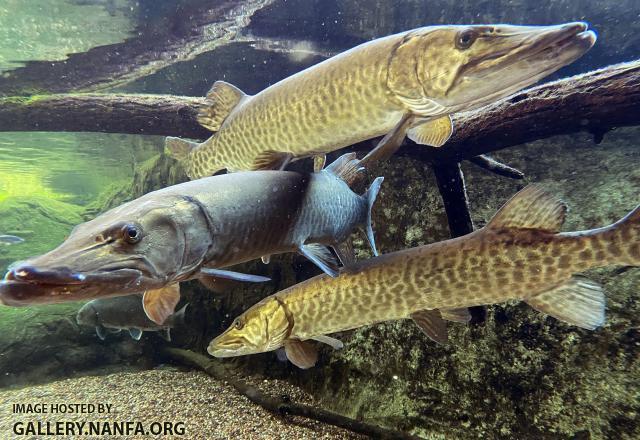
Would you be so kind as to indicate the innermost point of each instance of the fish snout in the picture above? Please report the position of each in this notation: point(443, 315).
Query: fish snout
point(32, 274)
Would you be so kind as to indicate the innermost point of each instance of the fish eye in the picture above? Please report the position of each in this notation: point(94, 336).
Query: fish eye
point(465, 39)
point(131, 233)
point(238, 324)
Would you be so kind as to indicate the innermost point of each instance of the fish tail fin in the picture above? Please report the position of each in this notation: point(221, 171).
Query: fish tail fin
point(370, 196)
point(623, 238)
point(347, 167)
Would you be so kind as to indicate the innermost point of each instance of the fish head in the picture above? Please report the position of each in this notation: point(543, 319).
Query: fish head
point(264, 327)
point(447, 69)
point(88, 315)
point(141, 245)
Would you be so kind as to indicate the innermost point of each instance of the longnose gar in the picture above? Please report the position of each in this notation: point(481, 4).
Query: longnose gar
point(411, 81)
point(520, 254)
point(191, 230)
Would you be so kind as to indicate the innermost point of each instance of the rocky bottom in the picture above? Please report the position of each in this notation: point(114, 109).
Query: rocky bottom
point(208, 408)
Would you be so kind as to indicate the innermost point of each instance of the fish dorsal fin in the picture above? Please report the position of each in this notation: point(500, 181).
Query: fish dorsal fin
point(346, 167)
point(431, 324)
point(456, 315)
point(578, 301)
point(321, 256)
point(221, 100)
point(531, 208)
point(433, 133)
point(334, 343)
point(302, 354)
point(159, 304)
point(271, 160)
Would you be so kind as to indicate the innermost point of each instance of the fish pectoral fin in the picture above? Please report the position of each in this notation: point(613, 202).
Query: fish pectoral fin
point(234, 276)
point(266, 259)
point(531, 208)
point(434, 133)
point(390, 143)
point(456, 315)
point(159, 304)
point(135, 333)
point(321, 256)
point(302, 354)
point(578, 301)
point(336, 344)
point(166, 334)
point(221, 99)
point(271, 160)
point(431, 324)
point(347, 167)
point(114, 330)
point(101, 332)
point(345, 252)
point(318, 162)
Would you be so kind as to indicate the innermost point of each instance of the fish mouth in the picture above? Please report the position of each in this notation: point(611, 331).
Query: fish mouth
point(535, 54)
point(224, 347)
point(27, 285)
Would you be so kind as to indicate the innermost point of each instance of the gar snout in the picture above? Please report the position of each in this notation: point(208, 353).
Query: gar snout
point(31, 274)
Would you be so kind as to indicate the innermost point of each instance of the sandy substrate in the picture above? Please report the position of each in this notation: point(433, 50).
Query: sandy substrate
point(209, 409)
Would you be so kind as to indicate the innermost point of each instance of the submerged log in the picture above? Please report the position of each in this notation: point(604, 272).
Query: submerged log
point(596, 102)
point(279, 405)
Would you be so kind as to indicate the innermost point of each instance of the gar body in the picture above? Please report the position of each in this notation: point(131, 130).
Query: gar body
point(189, 230)
point(425, 74)
point(519, 255)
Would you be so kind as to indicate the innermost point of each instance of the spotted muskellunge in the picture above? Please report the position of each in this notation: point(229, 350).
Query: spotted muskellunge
point(408, 83)
point(520, 254)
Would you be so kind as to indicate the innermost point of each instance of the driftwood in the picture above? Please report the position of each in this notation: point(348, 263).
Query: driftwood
point(279, 405)
point(595, 102)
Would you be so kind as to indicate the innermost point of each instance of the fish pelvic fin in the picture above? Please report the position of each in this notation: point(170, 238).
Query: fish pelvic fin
point(302, 354)
point(431, 324)
point(370, 196)
point(578, 301)
point(271, 160)
point(531, 208)
point(347, 167)
point(221, 99)
point(434, 133)
point(321, 256)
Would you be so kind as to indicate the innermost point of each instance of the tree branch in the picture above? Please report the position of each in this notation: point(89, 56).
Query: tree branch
point(281, 406)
